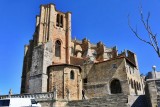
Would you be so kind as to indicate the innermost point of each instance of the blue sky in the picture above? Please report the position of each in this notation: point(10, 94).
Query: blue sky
point(98, 20)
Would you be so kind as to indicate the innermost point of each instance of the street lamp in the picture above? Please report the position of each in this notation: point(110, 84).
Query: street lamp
point(154, 69)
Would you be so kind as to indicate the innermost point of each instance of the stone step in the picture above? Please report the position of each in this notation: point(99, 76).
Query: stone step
point(101, 105)
point(106, 101)
point(100, 101)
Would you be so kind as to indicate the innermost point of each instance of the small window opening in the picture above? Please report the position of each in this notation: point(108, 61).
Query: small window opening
point(57, 20)
point(61, 22)
point(85, 80)
point(58, 48)
point(72, 75)
point(139, 86)
point(130, 70)
point(132, 84)
point(135, 87)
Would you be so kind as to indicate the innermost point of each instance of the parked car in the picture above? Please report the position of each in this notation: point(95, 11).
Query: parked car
point(19, 102)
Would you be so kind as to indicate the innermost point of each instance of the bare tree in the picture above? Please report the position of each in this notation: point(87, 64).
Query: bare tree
point(152, 37)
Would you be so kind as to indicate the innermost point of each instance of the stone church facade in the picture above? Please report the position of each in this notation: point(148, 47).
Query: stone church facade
point(53, 61)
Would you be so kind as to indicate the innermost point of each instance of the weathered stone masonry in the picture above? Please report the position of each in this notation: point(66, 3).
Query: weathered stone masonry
point(53, 62)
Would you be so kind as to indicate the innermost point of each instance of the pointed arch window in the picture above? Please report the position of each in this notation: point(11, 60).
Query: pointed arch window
point(72, 75)
point(58, 48)
point(59, 20)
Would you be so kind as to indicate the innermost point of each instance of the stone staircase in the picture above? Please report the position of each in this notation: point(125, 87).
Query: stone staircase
point(107, 101)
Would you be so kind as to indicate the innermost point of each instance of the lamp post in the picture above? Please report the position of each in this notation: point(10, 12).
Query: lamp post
point(10, 92)
point(154, 69)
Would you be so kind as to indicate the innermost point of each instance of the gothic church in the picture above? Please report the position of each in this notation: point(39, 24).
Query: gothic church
point(55, 61)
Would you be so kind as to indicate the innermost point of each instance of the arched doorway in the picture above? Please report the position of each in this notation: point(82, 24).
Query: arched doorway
point(115, 86)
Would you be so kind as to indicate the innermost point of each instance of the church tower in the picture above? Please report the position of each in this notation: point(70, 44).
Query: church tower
point(55, 26)
point(50, 45)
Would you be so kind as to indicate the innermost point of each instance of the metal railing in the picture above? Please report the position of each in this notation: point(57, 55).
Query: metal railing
point(48, 95)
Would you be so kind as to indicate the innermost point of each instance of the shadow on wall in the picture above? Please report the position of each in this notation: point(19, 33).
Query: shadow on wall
point(141, 101)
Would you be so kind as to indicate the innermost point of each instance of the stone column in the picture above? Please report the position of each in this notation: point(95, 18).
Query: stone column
point(68, 37)
point(41, 25)
point(52, 22)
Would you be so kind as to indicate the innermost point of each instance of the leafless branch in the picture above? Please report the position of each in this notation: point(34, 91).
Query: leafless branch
point(152, 37)
point(135, 32)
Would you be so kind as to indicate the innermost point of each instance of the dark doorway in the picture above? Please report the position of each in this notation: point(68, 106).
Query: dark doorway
point(115, 87)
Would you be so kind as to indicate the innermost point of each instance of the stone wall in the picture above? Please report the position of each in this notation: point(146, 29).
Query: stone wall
point(100, 75)
point(97, 77)
point(136, 83)
point(152, 91)
point(153, 75)
point(27, 63)
point(42, 58)
point(66, 79)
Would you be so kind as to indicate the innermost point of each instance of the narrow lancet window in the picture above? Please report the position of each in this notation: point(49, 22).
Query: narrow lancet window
point(61, 23)
point(58, 48)
point(72, 75)
point(57, 20)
